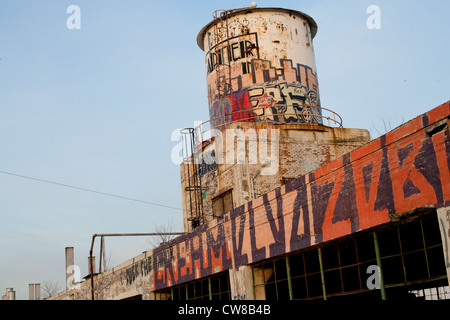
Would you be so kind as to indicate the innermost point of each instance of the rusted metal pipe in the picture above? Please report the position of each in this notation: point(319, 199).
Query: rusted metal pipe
point(120, 235)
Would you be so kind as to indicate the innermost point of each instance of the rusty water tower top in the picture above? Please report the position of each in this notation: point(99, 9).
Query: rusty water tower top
point(260, 67)
point(230, 13)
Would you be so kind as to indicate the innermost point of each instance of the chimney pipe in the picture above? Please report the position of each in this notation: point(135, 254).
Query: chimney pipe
point(31, 291)
point(10, 294)
point(69, 262)
point(37, 291)
point(91, 265)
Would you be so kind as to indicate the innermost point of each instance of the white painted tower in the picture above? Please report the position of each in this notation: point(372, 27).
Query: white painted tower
point(260, 67)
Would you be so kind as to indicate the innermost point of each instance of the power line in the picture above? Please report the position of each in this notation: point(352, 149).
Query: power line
point(88, 190)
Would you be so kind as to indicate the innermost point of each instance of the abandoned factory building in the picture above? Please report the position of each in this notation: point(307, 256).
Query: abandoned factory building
point(280, 201)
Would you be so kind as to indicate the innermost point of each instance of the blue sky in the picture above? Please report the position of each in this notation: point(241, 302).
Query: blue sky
point(95, 108)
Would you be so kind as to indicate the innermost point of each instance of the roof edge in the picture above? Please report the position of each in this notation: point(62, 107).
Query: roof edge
point(311, 21)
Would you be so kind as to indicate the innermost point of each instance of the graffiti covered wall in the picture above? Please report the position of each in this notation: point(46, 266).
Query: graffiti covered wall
point(407, 168)
point(267, 60)
point(281, 99)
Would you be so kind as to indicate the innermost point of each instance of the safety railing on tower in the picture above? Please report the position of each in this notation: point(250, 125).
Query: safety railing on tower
point(271, 115)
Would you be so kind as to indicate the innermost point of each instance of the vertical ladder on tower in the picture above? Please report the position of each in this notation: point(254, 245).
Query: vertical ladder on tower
point(193, 188)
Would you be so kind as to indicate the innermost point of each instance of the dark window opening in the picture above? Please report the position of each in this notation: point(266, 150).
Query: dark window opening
point(435, 258)
point(411, 237)
point(215, 287)
point(222, 203)
point(416, 253)
point(410, 253)
point(333, 281)
point(392, 270)
point(388, 242)
point(314, 282)
point(330, 257)
point(312, 263)
point(347, 252)
point(351, 279)
point(365, 247)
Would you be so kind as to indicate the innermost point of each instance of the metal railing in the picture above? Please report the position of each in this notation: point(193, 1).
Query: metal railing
point(275, 114)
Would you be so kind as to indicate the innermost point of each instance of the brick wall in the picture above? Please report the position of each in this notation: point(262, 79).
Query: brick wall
point(299, 148)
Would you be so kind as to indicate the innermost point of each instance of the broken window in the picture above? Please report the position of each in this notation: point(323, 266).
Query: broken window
point(305, 274)
point(271, 281)
point(411, 257)
point(345, 264)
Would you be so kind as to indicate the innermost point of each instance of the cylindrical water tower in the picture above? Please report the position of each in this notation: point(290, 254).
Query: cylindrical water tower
point(260, 67)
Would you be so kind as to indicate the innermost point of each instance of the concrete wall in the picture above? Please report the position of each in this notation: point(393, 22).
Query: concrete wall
point(130, 279)
point(444, 225)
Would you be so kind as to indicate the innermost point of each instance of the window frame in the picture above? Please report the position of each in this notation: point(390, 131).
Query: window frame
point(221, 198)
